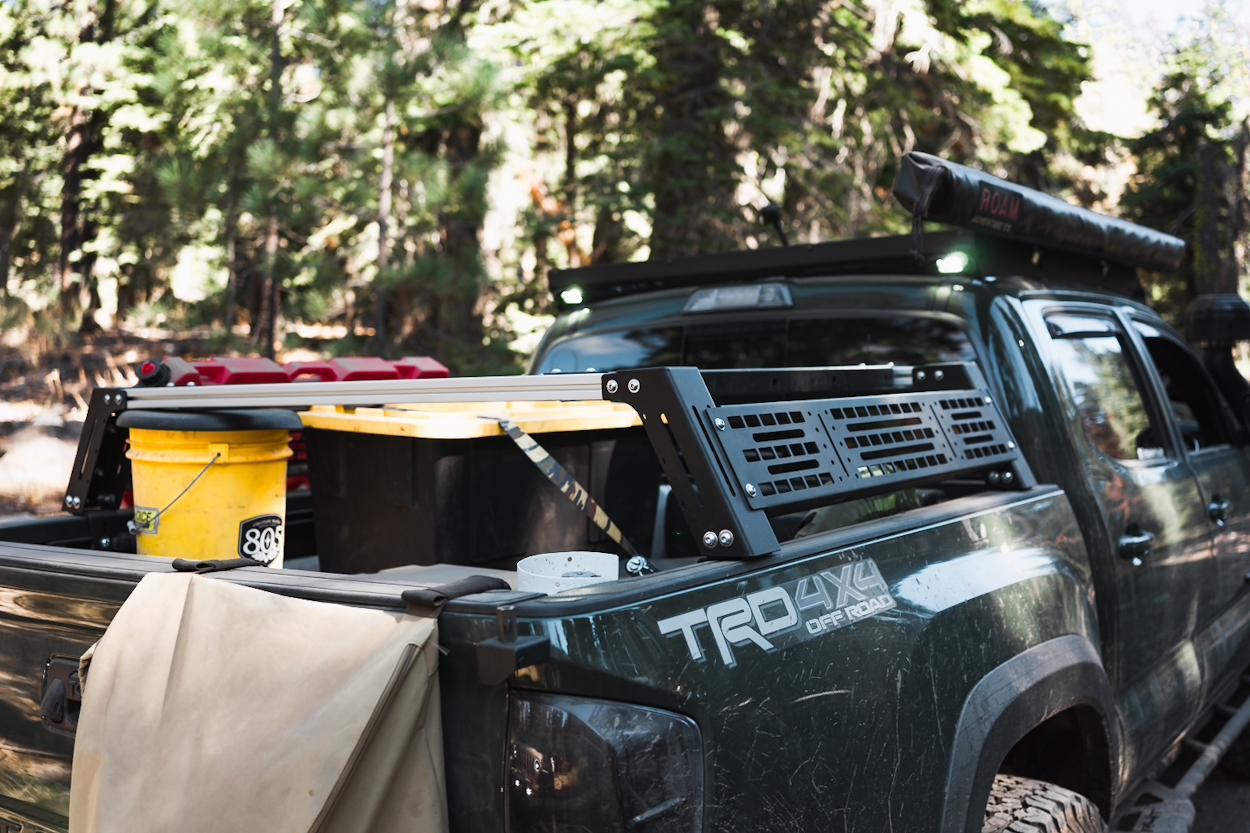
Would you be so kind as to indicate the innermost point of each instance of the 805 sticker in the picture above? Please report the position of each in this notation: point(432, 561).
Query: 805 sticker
point(260, 538)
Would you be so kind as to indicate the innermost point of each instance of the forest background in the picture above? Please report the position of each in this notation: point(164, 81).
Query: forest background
point(394, 177)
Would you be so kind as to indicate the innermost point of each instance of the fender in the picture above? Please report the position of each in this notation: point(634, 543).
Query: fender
point(1010, 701)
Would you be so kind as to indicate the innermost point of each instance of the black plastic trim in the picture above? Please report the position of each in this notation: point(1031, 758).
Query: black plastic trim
point(1006, 705)
point(250, 419)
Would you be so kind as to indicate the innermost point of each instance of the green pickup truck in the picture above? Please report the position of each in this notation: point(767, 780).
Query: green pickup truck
point(974, 558)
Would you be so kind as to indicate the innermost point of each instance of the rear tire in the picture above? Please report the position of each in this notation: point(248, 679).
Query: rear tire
point(1022, 805)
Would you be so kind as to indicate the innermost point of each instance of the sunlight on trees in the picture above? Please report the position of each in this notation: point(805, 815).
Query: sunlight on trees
point(408, 169)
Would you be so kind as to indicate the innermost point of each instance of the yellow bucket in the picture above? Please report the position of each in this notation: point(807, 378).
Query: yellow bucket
point(216, 493)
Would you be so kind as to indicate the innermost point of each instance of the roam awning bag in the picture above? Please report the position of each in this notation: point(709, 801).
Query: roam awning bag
point(211, 706)
point(945, 192)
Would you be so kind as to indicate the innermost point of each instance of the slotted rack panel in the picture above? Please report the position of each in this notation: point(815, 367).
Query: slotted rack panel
point(973, 426)
point(791, 451)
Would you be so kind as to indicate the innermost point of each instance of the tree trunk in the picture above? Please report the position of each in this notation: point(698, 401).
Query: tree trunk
point(90, 293)
point(384, 219)
point(10, 211)
point(77, 151)
point(267, 317)
point(126, 291)
point(609, 235)
point(80, 142)
point(1210, 276)
point(267, 327)
point(455, 313)
point(1239, 200)
point(692, 169)
point(232, 267)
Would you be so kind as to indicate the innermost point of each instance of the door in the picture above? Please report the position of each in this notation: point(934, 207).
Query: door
point(1212, 447)
point(1154, 519)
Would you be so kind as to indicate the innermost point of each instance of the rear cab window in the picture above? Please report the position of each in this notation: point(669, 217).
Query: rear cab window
point(903, 340)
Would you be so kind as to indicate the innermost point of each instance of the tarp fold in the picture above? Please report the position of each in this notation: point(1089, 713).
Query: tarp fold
point(212, 706)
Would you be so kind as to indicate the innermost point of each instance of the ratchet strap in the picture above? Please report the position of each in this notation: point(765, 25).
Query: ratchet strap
point(571, 489)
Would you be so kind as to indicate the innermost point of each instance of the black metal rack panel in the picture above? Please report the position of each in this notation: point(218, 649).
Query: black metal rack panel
point(828, 448)
point(731, 466)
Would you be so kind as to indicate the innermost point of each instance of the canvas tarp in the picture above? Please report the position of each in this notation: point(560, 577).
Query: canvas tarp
point(211, 706)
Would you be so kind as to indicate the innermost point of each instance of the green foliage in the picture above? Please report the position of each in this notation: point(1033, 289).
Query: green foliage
point(410, 170)
point(1193, 104)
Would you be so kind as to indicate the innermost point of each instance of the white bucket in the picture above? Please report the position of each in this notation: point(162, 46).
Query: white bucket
point(553, 572)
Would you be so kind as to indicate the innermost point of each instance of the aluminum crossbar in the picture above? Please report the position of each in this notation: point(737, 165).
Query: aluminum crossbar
point(568, 387)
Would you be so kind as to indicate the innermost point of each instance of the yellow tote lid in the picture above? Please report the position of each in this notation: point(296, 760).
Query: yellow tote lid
point(469, 420)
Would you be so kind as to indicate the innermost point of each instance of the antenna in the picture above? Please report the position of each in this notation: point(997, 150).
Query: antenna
point(771, 214)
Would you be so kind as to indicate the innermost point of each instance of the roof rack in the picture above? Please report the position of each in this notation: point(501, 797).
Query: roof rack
point(737, 446)
point(1009, 230)
point(890, 255)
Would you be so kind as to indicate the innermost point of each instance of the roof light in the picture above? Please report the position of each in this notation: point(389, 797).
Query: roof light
point(953, 263)
point(572, 295)
point(740, 297)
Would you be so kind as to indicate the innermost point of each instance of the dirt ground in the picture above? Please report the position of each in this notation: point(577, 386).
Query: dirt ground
point(1223, 805)
point(37, 447)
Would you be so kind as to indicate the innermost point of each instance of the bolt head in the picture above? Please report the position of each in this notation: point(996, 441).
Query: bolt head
point(634, 386)
point(988, 400)
point(612, 386)
point(995, 477)
point(105, 542)
point(108, 397)
point(1008, 477)
point(636, 565)
point(750, 489)
point(938, 375)
point(726, 538)
point(1011, 445)
point(719, 423)
point(920, 375)
point(709, 539)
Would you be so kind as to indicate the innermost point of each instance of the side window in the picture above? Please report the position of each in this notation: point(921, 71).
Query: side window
point(1091, 356)
point(1194, 403)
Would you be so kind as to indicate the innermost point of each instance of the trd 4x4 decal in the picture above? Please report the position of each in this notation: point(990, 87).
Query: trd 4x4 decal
point(785, 614)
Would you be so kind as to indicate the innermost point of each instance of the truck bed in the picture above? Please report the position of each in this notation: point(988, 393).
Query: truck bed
point(609, 641)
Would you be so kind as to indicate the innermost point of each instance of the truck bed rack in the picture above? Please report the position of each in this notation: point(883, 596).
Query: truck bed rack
point(737, 446)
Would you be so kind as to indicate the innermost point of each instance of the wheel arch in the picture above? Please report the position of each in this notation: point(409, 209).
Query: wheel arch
point(1049, 695)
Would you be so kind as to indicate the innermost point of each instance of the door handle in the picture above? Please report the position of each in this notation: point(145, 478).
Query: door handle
point(1217, 510)
point(1135, 544)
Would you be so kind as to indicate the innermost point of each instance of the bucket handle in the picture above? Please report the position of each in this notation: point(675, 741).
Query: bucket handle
point(134, 530)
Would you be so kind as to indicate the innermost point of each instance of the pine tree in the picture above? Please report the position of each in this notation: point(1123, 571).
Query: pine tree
point(1185, 168)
